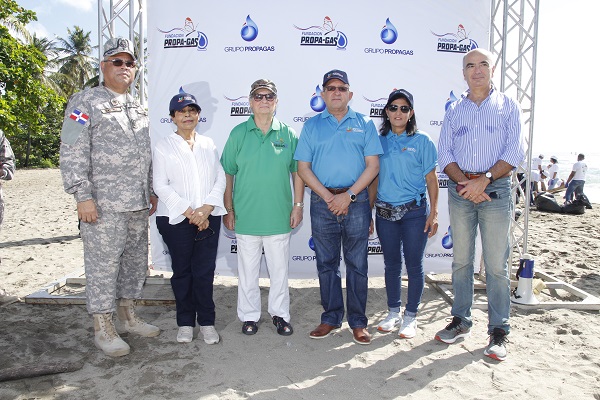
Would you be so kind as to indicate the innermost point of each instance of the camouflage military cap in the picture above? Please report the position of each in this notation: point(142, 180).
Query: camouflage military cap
point(118, 45)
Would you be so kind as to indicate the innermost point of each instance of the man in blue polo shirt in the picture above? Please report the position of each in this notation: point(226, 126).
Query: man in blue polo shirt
point(338, 156)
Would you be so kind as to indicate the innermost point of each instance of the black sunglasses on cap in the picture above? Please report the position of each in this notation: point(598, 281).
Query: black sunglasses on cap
point(394, 108)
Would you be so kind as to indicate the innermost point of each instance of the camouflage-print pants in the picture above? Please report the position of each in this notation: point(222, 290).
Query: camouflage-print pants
point(1, 208)
point(115, 252)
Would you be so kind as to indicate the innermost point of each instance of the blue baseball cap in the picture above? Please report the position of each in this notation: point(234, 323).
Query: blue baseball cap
point(335, 74)
point(396, 94)
point(182, 100)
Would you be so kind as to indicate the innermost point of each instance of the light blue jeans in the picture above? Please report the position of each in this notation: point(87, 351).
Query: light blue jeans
point(494, 219)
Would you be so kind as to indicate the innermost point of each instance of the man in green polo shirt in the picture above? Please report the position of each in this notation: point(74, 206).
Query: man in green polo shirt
point(258, 160)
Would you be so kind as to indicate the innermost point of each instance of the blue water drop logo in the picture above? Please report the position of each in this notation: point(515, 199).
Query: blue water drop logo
point(249, 30)
point(389, 34)
point(342, 41)
point(451, 99)
point(447, 239)
point(311, 244)
point(316, 101)
point(202, 41)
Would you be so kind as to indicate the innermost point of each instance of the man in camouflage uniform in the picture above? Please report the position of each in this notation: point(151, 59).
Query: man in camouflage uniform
point(7, 170)
point(105, 161)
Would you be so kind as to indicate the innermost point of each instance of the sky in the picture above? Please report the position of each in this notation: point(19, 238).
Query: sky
point(565, 88)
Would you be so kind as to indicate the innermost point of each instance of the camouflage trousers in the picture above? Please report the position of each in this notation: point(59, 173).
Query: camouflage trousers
point(1, 208)
point(115, 250)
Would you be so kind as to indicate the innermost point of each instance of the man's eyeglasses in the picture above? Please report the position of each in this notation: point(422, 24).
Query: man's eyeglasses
point(394, 108)
point(190, 110)
point(259, 97)
point(204, 234)
point(117, 62)
point(342, 89)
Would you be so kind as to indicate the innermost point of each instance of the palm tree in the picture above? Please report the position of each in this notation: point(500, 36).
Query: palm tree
point(76, 61)
point(51, 77)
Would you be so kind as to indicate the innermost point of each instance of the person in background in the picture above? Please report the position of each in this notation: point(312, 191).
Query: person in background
point(338, 157)
point(553, 168)
point(481, 143)
point(403, 219)
point(576, 179)
point(258, 160)
point(537, 164)
point(7, 171)
point(106, 164)
point(190, 184)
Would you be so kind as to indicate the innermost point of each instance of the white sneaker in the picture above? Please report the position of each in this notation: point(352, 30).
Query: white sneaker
point(185, 334)
point(408, 329)
point(210, 334)
point(390, 322)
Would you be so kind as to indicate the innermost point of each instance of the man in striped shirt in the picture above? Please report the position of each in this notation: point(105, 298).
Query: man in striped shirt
point(480, 144)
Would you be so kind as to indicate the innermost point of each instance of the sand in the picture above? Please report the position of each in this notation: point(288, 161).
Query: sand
point(553, 354)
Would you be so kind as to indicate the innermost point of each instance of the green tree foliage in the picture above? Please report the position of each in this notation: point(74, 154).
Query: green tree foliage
point(30, 111)
point(76, 62)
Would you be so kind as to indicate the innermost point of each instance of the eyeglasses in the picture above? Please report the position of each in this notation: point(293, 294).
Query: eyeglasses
point(342, 89)
point(204, 234)
point(190, 110)
point(117, 62)
point(394, 108)
point(268, 96)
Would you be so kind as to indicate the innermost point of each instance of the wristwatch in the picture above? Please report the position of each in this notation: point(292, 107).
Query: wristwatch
point(352, 195)
point(489, 176)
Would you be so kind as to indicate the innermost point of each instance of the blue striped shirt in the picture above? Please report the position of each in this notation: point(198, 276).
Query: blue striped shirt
point(476, 137)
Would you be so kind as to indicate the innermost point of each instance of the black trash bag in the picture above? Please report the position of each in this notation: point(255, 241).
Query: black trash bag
point(582, 198)
point(546, 202)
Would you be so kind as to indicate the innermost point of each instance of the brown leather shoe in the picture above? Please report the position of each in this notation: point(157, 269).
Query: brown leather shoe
point(361, 335)
point(322, 331)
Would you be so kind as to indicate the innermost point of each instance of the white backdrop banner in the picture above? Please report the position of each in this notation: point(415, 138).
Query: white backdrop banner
point(216, 50)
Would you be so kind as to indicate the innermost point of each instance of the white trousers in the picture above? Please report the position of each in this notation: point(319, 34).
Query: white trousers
point(249, 253)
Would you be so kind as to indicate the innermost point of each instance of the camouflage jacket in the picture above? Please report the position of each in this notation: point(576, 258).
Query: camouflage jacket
point(105, 152)
point(7, 159)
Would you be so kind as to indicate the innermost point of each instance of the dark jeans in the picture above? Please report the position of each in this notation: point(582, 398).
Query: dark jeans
point(330, 233)
point(193, 264)
point(406, 237)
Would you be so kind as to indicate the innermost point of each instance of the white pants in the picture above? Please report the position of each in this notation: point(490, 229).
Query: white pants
point(249, 253)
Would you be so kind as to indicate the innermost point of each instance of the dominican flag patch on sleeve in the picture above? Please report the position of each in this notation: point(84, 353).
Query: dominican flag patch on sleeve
point(79, 116)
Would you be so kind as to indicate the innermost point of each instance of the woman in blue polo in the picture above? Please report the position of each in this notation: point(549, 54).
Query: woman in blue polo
point(402, 218)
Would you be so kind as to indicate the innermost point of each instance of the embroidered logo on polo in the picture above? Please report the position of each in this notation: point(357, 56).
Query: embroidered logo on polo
point(353, 129)
point(279, 144)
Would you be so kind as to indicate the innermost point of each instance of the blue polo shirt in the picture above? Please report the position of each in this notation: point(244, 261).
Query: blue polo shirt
point(405, 162)
point(335, 150)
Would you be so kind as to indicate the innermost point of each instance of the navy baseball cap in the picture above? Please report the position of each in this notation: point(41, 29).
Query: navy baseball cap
point(396, 94)
point(335, 74)
point(182, 100)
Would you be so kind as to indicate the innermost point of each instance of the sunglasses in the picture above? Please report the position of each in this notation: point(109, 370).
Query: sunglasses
point(204, 234)
point(117, 62)
point(268, 96)
point(342, 89)
point(394, 108)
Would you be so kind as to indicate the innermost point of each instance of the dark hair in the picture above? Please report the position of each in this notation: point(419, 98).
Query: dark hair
point(386, 126)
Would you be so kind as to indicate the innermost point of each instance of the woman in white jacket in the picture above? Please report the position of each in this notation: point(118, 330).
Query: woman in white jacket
point(190, 183)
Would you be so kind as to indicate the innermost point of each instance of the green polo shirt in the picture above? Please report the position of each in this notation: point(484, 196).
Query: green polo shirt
point(261, 164)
